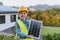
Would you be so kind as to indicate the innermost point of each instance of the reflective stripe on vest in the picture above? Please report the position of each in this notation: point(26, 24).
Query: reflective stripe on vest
point(23, 29)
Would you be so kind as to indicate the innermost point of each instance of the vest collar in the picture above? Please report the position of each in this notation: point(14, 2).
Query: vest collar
point(24, 20)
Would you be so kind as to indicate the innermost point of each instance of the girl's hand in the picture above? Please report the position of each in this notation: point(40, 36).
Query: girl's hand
point(30, 36)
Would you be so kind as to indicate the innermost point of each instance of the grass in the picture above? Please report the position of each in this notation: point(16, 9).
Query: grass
point(50, 30)
point(4, 37)
point(45, 31)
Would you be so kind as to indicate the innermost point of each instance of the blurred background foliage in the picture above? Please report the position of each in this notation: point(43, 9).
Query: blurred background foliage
point(50, 17)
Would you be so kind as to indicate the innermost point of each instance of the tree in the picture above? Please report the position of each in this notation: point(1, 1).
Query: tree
point(50, 17)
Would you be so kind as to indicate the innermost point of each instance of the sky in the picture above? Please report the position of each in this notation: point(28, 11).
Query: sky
point(29, 2)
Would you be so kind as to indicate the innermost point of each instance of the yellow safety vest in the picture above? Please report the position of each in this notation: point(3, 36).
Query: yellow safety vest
point(23, 29)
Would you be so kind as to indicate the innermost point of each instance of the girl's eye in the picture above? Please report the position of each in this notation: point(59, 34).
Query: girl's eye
point(24, 13)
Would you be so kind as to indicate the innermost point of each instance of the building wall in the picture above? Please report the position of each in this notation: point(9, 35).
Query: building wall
point(8, 22)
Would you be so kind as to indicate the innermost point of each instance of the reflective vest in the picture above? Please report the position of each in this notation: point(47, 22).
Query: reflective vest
point(23, 29)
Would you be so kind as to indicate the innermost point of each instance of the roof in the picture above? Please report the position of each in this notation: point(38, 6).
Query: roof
point(7, 9)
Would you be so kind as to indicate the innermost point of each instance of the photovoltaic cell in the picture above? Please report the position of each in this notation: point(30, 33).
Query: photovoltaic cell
point(34, 28)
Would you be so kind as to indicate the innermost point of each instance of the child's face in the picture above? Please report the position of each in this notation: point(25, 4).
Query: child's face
point(23, 14)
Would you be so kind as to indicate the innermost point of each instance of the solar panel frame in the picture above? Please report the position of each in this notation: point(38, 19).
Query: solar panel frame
point(39, 30)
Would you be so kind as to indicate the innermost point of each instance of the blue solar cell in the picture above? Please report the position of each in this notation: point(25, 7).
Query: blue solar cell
point(34, 28)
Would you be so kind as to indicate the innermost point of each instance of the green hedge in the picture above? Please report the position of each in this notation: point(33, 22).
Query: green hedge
point(51, 37)
point(3, 37)
point(44, 37)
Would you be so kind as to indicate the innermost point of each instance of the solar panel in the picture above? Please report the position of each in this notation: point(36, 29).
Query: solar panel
point(34, 28)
